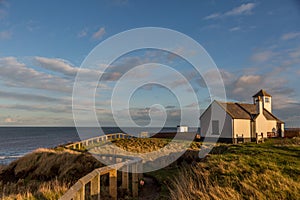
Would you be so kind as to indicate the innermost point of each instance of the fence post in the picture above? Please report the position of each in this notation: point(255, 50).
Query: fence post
point(95, 187)
point(140, 166)
point(81, 193)
point(256, 134)
point(125, 177)
point(262, 138)
point(135, 181)
point(113, 184)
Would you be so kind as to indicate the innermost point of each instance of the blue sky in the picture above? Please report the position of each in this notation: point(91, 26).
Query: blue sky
point(255, 44)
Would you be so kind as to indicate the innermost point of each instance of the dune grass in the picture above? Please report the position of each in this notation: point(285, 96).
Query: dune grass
point(44, 174)
point(141, 145)
point(34, 190)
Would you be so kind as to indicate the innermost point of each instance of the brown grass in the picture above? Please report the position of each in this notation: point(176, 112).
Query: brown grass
point(51, 190)
point(141, 145)
point(44, 173)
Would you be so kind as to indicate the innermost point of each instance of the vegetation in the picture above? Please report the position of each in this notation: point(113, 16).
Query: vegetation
point(33, 190)
point(248, 171)
point(244, 171)
point(44, 174)
point(141, 145)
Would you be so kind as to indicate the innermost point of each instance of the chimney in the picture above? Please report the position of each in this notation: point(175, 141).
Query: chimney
point(259, 105)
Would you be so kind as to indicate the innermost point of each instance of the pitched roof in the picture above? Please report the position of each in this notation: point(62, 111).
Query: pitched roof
point(235, 111)
point(270, 116)
point(245, 111)
point(262, 93)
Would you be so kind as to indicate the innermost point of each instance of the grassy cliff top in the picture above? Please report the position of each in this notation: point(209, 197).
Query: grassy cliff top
point(244, 171)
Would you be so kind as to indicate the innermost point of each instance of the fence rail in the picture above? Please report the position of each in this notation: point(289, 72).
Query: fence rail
point(103, 138)
point(88, 187)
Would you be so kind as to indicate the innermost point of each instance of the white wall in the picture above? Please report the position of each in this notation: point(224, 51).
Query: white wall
point(267, 105)
point(264, 126)
point(282, 130)
point(216, 112)
point(242, 126)
point(182, 129)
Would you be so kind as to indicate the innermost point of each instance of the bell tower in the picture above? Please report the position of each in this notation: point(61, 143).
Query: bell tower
point(265, 98)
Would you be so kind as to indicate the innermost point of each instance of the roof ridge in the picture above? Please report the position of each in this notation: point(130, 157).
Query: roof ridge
point(272, 114)
point(245, 110)
point(224, 108)
point(262, 92)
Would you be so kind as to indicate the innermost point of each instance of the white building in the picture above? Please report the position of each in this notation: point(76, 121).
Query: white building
point(229, 121)
point(182, 129)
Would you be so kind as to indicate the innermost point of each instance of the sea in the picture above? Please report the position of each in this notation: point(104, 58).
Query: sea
point(15, 142)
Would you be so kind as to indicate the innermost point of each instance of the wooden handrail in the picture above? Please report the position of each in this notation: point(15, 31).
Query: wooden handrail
point(77, 191)
point(103, 138)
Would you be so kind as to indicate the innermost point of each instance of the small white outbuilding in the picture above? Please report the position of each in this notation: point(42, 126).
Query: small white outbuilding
point(182, 129)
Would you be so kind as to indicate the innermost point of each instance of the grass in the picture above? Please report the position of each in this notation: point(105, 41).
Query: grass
point(141, 145)
point(247, 171)
point(44, 174)
point(164, 177)
point(33, 190)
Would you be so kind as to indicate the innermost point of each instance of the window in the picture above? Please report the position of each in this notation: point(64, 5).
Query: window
point(215, 127)
point(267, 100)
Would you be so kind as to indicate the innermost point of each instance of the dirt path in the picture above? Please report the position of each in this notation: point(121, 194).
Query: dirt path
point(150, 191)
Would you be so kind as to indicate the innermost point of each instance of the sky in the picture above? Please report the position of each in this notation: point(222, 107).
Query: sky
point(254, 44)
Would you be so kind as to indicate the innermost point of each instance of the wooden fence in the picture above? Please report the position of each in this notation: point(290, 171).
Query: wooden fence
point(88, 187)
point(95, 140)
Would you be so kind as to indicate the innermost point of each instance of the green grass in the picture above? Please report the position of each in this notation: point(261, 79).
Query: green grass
point(244, 171)
point(247, 171)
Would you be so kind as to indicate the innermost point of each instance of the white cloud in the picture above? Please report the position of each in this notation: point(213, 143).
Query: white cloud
point(64, 67)
point(237, 28)
point(262, 56)
point(212, 16)
point(57, 65)
point(4, 35)
point(17, 74)
point(244, 9)
point(98, 35)
point(243, 83)
point(278, 100)
point(289, 36)
point(30, 97)
point(65, 109)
